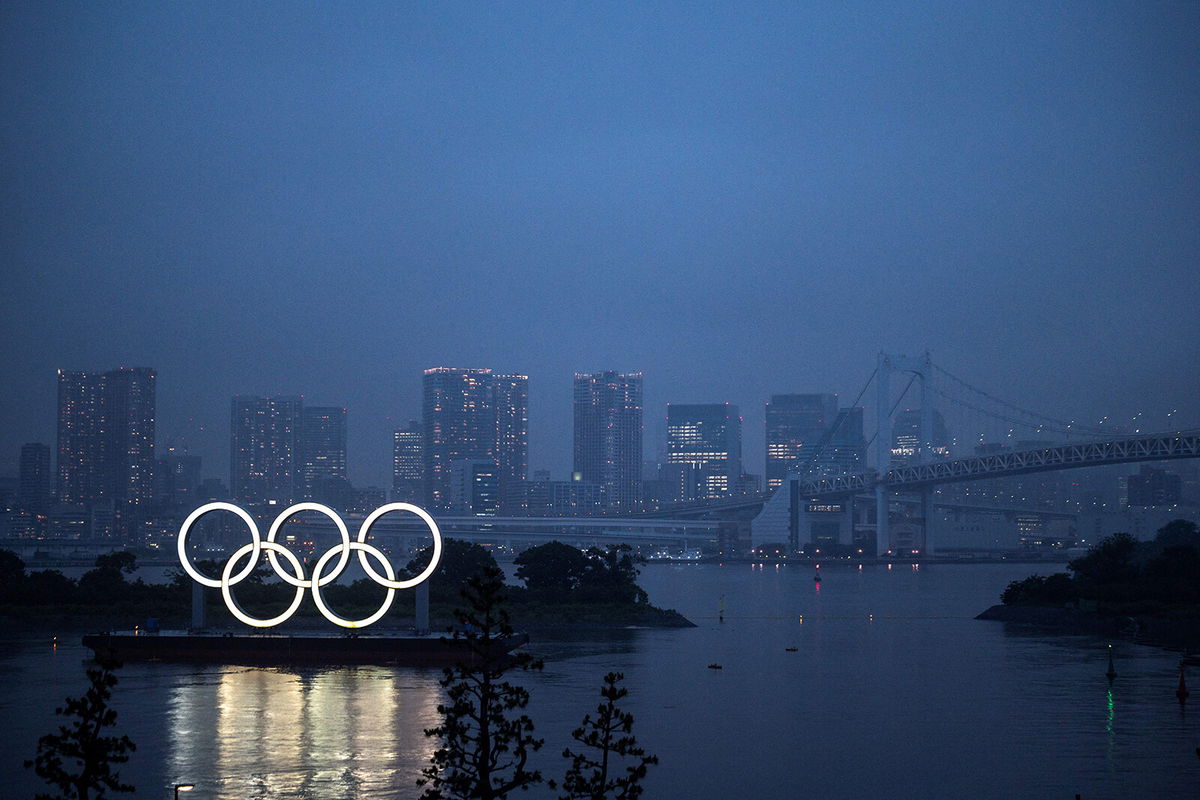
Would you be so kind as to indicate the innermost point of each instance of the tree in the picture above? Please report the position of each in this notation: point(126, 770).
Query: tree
point(120, 560)
point(554, 568)
point(485, 741)
point(461, 560)
point(12, 575)
point(1178, 532)
point(611, 575)
point(79, 759)
point(610, 737)
point(1109, 565)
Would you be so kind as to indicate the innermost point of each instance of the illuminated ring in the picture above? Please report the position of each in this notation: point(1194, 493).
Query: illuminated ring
point(187, 526)
point(391, 582)
point(364, 551)
point(232, 602)
point(296, 509)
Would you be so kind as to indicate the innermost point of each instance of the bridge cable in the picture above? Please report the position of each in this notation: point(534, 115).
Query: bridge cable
point(1071, 425)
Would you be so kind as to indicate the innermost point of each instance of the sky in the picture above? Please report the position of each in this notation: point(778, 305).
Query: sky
point(734, 199)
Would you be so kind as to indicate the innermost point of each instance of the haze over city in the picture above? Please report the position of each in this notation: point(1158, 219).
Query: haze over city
point(736, 201)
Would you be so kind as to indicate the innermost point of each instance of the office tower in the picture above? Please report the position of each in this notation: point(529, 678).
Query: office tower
point(844, 449)
point(34, 487)
point(608, 435)
point(906, 437)
point(106, 437)
point(264, 455)
point(1154, 487)
point(459, 422)
point(705, 439)
point(408, 464)
point(177, 480)
point(322, 452)
point(474, 487)
point(795, 425)
point(510, 399)
point(130, 401)
point(81, 443)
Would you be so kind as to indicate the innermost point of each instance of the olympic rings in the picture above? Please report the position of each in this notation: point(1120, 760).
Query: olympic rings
point(296, 577)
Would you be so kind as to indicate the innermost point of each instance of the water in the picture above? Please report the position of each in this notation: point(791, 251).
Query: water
point(920, 701)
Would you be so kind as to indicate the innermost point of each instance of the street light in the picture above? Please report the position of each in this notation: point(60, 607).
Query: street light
point(183, 787)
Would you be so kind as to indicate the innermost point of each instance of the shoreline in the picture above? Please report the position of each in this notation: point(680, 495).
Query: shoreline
point(1178, 631)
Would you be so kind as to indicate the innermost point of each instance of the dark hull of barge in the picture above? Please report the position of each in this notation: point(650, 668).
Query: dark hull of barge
point(273, 649)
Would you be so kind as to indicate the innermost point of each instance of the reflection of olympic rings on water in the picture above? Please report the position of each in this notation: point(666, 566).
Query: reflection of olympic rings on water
point(294, 575)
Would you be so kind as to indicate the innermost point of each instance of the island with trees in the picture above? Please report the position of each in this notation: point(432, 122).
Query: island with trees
point(1148, 590)
point(559, 587)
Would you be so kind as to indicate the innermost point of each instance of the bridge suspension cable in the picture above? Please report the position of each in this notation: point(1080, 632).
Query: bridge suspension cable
point(1054, 424)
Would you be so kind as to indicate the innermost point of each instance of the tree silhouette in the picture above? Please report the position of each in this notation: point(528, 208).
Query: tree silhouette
point(485, 744)
point(79, 759)
point(610, 737)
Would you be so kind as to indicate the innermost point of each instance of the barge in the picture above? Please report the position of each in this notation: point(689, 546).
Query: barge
point(420, 650)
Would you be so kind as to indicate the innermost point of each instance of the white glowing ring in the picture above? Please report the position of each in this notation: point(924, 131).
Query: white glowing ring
point(364, 551)
point(296, 509)
point(390, 582)
point(232, 602)
point(181, 546)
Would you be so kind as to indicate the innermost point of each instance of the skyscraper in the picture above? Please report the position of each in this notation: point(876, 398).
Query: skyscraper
point(408, 464)
point(906, 437)
point(322, 452)
point(707, 440)
point(106, 434)
point(795, 425)
point(264, 453)
point(608, 434)
point(129, 401)
point(460, 423)
point(81, 441)
point(510, 399)
point(34, 486)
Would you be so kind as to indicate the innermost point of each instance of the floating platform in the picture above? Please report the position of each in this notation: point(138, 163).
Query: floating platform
point(419, 650)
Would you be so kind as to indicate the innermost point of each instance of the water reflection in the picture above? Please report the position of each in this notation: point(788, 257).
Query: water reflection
point(346, 733)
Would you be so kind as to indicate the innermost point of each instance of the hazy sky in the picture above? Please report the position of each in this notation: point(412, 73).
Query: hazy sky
point(736, 199)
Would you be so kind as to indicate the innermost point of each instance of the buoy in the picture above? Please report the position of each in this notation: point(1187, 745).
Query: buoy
point(1112, 671)
point(1182, 691)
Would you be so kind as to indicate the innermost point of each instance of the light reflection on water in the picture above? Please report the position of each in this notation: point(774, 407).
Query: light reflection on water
point(338, 733)
point(892, 690)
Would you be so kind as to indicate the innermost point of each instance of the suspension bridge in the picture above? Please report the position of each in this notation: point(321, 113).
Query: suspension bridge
point(834, 503)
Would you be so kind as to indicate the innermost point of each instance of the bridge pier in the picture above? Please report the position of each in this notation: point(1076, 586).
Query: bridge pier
point(881, 520)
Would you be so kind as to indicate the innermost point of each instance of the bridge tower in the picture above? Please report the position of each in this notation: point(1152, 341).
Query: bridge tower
point(922, 368)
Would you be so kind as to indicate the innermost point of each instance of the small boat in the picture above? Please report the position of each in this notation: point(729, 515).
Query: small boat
point(715, 666)
point(791, 649)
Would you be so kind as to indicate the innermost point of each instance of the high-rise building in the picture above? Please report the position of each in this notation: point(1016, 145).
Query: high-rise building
point(796, 424)
point(130, 401)
point(264, 455)
point(408, 464)
point(81, 441)
point(472, 414)
point(35, 485)
point(460, 423)
point(608, 435)
point(906, 437)
point(106, 434)
point(474, 487)
point(510, 399)
point(322, 452)
point(706, 438)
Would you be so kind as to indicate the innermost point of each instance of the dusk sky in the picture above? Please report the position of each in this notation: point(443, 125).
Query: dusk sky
point(735, 199)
